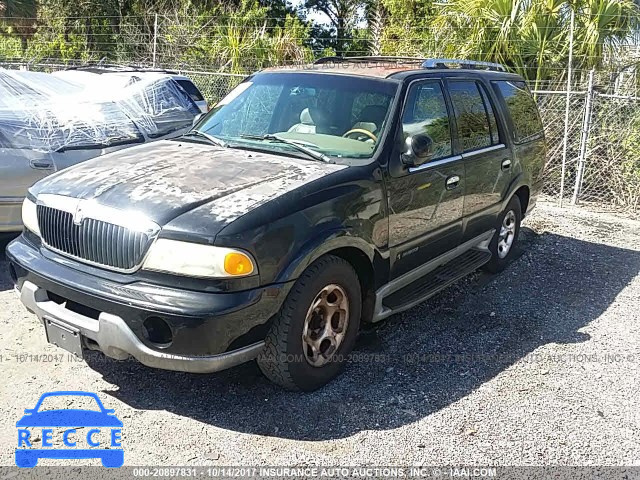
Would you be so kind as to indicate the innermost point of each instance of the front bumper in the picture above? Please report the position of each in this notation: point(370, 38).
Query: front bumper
point(116, 340)
point(210, 331)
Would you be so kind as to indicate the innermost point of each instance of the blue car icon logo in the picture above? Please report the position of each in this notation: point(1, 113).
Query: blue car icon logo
point(64, 432)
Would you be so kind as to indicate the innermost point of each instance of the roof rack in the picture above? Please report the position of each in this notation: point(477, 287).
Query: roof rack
point(470, 64)
point(423, 62)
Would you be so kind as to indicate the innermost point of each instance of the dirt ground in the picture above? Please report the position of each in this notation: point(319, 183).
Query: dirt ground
point(535, 366)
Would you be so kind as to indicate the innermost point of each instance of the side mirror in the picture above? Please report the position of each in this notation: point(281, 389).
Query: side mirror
point(197, 118)
point(418, 150)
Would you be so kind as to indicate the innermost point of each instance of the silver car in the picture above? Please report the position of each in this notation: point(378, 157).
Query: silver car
point(48, 124)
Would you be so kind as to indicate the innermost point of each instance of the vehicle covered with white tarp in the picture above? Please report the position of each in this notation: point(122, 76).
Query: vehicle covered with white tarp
point(49, 123)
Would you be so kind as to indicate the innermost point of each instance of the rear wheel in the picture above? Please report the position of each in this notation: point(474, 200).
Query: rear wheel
point(506, 236)
point(316, 327)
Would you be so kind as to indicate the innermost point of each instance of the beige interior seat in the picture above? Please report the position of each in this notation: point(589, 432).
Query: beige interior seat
point(371, 118)
point(306, 124)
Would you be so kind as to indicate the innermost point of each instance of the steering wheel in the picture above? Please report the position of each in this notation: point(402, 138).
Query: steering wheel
point(362, 131)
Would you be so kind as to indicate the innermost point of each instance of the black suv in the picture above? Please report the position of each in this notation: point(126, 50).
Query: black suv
point(307, 202)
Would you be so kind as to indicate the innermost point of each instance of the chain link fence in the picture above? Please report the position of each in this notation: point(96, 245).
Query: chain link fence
point(552, 105)
point(602, 142)
point(603, 148)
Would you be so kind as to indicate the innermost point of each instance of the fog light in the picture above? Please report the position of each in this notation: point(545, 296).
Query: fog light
point(157, 331)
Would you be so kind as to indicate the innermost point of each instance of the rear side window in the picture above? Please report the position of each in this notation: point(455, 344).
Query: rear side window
point(474, 115)
point(522, 109)
point(191, 90)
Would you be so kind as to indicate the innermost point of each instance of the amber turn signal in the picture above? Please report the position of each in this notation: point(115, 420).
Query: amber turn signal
point(236, 263)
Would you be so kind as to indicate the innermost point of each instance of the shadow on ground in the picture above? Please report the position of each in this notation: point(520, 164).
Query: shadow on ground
point(403, 370)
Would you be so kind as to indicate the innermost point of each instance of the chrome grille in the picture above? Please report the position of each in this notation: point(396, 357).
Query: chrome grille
point(94, 241)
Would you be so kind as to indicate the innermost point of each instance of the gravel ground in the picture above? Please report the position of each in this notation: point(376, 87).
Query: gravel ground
point(535, 366)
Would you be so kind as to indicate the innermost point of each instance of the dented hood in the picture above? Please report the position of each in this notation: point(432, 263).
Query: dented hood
point(166, 179)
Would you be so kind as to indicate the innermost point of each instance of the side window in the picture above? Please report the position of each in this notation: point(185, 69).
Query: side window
point(426, 113)
point(191, 90)
point(522, 109)
point(472, 116)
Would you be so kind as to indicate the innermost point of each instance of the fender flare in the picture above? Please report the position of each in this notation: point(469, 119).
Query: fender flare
point(516, 183)
point(320, 245)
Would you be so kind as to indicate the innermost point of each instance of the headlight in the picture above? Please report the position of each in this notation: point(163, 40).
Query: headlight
point(30, 216)
point(197, 260)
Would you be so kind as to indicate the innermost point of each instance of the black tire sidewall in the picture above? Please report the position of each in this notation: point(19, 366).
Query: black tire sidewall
point(305, 376)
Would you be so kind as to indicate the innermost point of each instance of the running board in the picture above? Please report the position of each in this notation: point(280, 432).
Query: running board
point(425, 281)
point(440, 278)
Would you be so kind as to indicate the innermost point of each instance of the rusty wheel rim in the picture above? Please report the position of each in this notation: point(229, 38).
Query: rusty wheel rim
point(325, 325)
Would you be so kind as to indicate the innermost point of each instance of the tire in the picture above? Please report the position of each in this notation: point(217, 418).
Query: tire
point(286, 359)
point(509, 220)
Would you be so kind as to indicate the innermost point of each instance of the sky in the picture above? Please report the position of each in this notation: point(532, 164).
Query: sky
point(317, 17)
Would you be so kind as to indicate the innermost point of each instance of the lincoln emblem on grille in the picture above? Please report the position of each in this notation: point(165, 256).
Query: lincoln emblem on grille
point(78, 216)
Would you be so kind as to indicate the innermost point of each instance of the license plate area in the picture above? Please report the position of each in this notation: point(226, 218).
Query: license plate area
point(63, 336)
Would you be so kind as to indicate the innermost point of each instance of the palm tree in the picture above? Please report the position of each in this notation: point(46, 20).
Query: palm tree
point(531, 36)
point(603, 25)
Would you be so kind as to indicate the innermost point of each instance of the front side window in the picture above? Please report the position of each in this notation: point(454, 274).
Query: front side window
point(522, 109)
point(335, 115)
point(426, 113)
point(472, 116)
point(191, 90)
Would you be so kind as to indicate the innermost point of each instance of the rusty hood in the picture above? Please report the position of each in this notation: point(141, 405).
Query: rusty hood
point(166, 179)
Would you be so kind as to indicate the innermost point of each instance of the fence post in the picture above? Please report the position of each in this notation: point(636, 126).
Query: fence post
point(155, 38)
point(565, 143)
point(586, 127)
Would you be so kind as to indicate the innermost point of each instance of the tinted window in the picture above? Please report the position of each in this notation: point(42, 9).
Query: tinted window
point(191, 90)
point(522, 108)
point(471, 115)
point(426, 113)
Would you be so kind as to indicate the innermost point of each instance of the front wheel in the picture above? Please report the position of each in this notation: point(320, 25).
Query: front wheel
point(316, 327)
point(506, 236)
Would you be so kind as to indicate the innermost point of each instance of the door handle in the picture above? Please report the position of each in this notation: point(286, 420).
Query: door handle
point(41, 164)
point(452, 182)
point(506, 164)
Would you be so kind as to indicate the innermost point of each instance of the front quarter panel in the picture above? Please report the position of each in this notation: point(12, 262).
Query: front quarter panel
point(344, 209)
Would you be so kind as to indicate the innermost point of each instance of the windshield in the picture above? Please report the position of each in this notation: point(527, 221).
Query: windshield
point(335, 115)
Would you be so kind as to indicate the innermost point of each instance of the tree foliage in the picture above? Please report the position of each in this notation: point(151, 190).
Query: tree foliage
point(530, 36)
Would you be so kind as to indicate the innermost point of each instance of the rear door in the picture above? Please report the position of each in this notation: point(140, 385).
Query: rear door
point(426, 201)
point(488, 161)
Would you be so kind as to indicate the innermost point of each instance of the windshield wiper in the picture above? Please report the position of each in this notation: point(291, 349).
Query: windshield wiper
point(298, 146)
point(215, 140)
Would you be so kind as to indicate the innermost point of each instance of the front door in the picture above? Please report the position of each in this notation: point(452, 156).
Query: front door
point(425, 202)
